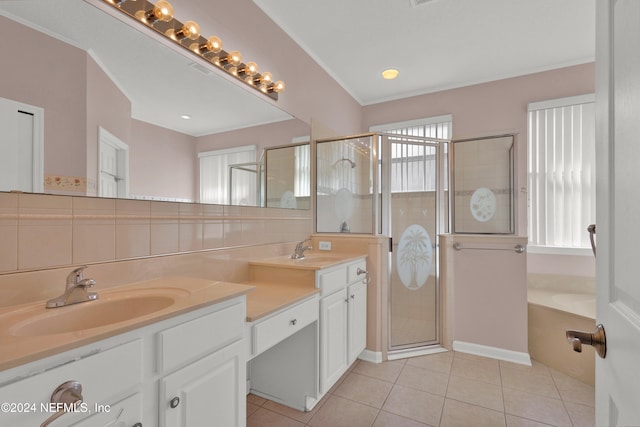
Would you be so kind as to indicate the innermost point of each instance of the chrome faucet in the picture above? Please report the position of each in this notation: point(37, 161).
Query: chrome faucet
point(300, 248)
point(76, 290)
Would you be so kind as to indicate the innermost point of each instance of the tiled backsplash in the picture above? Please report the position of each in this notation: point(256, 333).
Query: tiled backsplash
point(45, 231)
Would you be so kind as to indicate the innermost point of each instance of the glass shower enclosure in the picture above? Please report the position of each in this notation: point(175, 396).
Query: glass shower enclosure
point(391, 185)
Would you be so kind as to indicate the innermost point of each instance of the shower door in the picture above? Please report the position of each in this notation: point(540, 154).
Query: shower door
point(415, 169)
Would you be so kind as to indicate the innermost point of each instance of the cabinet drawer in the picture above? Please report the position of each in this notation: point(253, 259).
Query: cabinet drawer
point(332, 280)
point(104, 376)
point(352, 271)
point(278, 327)
point(192, 340)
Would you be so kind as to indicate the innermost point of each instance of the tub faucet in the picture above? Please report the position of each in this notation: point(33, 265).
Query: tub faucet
point(300, 248)
point(75, 291)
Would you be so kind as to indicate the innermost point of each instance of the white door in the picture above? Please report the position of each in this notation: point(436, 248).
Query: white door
point(108, 171)
point(113, 162)
point(21, 165)
point(618, 210)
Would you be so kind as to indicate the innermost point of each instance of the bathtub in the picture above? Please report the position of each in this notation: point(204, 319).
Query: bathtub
point(555, 304)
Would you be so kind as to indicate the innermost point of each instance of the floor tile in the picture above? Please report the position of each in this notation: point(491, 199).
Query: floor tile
point(581, 415)
point(572, 390)
point(532, 383)
point(340, 412)
point(387, 371)
point(513, 421)
point(439, 362)
point(477, 370)
point(301, 416)
point(363, 389)
point(535, 407)
point(536, 367)
point(476, 392)
point(256, 400)
point(414, 404)
point(424, 380)
point(265, 418)
point(251, 408)
point(387, 419)
point(461, 414)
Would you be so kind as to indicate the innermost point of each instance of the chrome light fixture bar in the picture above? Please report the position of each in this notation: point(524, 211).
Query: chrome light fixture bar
point(159, 18)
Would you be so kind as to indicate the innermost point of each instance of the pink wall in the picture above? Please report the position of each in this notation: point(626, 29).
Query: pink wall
point(162, 162)
point(270, 135)
point(47, 73)
point(494, 107)
point(107, 107)
point(310, 91)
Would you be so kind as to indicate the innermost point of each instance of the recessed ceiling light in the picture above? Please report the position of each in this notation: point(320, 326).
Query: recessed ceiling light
point(390, 74)
point(185, 116)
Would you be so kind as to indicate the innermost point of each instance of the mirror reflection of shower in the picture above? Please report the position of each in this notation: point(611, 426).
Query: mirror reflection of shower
point(343, 184)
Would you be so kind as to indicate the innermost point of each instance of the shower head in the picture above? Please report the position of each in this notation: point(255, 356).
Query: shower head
point(344, 159)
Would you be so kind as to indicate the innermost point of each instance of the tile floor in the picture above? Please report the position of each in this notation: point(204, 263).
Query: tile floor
point(444, 389)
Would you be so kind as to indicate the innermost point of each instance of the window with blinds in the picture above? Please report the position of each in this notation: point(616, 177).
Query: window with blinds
point(561, 139)
point(214, 176)
point(412, 164)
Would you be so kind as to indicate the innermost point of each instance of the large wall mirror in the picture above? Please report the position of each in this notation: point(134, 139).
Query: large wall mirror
point(117, 113)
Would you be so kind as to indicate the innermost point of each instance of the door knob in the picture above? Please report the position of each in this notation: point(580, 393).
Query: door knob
point(597, 339)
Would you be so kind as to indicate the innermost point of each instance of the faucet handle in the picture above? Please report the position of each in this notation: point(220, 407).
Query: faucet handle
point(76, 276)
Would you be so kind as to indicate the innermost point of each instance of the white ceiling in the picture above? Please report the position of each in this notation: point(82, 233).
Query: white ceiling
point(438, 45)
point(161, 84)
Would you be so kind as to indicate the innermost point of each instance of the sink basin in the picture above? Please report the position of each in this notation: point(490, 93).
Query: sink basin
point(92, 314)
point(319, 259)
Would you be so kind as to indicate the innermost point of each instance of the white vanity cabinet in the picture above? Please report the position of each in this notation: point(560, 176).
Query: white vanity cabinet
point(104, 377)
point(211, 385)
point(187, 370)
point(343, 319)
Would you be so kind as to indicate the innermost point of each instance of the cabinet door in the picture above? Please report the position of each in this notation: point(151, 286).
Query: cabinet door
point(209, 392)
point(357, 330)
point(333, 339)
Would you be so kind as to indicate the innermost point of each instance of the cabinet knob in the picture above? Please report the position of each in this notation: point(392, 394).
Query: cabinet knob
point(353, 296)
point(294, 322)
point(174, 402)
point(137, 425)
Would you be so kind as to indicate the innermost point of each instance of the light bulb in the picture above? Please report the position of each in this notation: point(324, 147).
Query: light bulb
point(189, 30)
point(250, 69)
point(278, 86)
point(234, 57)
point(264, 79)
point(162, 11)
point(213, 44)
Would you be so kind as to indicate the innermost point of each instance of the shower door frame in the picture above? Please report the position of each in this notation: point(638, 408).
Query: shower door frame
point(385, 153)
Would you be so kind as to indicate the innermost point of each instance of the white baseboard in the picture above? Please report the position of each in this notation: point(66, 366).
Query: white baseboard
point(371, 356)
point(493, 352)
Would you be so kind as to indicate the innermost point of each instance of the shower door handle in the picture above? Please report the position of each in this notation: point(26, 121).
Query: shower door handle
point(592, 231)
point(597, 339)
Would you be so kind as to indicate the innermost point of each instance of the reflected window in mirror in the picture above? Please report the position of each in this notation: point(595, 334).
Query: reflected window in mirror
point(288, 177)
point(230, 176)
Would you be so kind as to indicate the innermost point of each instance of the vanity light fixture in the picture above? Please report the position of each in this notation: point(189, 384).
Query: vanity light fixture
point(159, 18)
point(390, 74)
